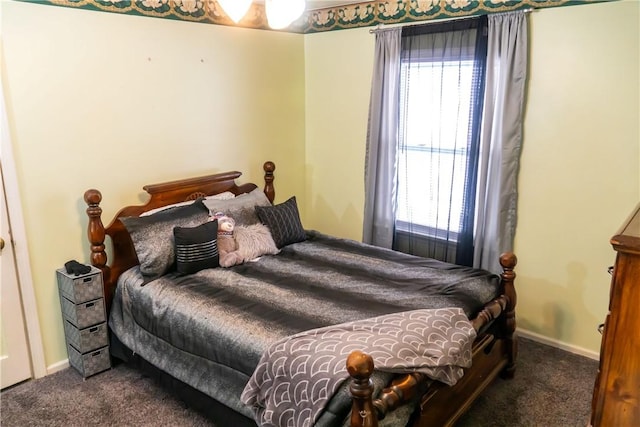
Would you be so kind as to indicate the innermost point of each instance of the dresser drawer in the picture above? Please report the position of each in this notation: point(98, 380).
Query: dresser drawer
point(82, 288)
point(86, 339)
point(89, 363)
point(83, 315)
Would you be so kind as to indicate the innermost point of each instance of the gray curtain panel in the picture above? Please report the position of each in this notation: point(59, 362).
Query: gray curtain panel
point(382, 141)
point(501, 138)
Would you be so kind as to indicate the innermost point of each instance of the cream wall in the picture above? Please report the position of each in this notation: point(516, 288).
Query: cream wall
point(338, 67)
point(580, 170)
point(114, 102)
point(581, 165)
point(84, 88)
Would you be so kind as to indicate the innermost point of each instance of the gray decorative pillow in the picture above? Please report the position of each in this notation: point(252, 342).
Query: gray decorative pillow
point(241, 208)
point(196, 247)
point(152, 236)
point(283, 221)
point(253, 241)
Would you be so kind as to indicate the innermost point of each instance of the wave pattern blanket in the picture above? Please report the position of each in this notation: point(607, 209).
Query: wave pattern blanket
point(297, 375)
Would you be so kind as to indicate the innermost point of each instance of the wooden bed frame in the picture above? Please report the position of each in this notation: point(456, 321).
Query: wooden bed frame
point(494, 350)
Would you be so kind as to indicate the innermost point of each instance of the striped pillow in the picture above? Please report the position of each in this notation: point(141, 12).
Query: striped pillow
point(196, 247)
point(283, 221)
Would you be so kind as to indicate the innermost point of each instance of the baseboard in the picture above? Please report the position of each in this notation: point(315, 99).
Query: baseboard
point(559, 344)
point(58, 366)
point(63, 364)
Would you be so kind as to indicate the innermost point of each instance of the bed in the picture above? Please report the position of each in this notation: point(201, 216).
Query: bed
point(231, 340)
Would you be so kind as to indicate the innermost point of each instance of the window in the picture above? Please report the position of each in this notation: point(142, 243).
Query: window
point(431, 187)
point(441, 90)
point(435, 117)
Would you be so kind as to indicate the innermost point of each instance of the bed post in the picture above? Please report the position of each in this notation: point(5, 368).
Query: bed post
point(268, 168)
point(96, 235)
point(508, 261)
point(360, 368)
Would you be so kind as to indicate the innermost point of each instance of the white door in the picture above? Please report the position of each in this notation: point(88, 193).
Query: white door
point(15, 363)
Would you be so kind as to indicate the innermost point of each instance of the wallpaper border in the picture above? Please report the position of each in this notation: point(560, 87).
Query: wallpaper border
point(363, 14)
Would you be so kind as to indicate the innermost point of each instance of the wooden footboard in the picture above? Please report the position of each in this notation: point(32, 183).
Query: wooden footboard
point(494, 354)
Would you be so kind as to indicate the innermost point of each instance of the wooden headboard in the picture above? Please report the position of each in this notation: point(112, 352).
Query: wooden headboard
point(166, 193)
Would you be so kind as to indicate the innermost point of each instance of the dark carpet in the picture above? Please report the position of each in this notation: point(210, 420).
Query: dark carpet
point(551, 388)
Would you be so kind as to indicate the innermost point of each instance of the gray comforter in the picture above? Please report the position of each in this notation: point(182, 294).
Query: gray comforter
point(210, 329)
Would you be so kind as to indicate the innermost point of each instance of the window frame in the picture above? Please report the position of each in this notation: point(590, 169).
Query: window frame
point(426, 230)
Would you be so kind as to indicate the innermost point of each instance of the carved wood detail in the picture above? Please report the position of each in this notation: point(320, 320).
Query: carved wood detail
point(269, 190)
point(360, 368)
point(508, 262)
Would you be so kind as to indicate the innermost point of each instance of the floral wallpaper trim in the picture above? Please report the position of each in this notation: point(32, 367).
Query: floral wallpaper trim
point(364, 14)
point(372, 13)
point(204, 11)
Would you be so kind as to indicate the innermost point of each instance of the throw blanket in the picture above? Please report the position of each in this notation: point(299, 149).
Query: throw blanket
point(298, 375)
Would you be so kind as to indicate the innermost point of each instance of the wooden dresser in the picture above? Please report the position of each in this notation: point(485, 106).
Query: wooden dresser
point(616, 395)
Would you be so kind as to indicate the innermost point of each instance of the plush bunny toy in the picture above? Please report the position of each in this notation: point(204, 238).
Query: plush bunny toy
point(227, 246)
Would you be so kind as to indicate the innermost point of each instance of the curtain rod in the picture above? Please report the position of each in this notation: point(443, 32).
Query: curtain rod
point(386, 27)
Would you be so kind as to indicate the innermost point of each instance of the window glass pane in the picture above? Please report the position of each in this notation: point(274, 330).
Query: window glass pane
point(435, 118)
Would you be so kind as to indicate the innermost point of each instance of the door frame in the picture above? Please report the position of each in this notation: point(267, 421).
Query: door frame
point(19, 245)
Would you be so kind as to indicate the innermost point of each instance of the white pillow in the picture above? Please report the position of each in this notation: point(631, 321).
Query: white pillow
point(227, 195)
point(242, 209)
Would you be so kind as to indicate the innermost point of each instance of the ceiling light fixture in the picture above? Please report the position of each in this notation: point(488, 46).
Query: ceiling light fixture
point(280, 13)
point(235, 9)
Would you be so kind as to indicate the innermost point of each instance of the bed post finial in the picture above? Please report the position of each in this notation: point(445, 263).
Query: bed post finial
point(360, 368)
point(96, 232)
point(268, 168)
point(508, 261)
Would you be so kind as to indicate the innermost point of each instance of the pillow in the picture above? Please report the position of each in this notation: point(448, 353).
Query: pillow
point(283, 221)
point(196, 247)
point(221, 196)
point(253, 241)
point(227, 195)
point(152, 236)
point(241, 208)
